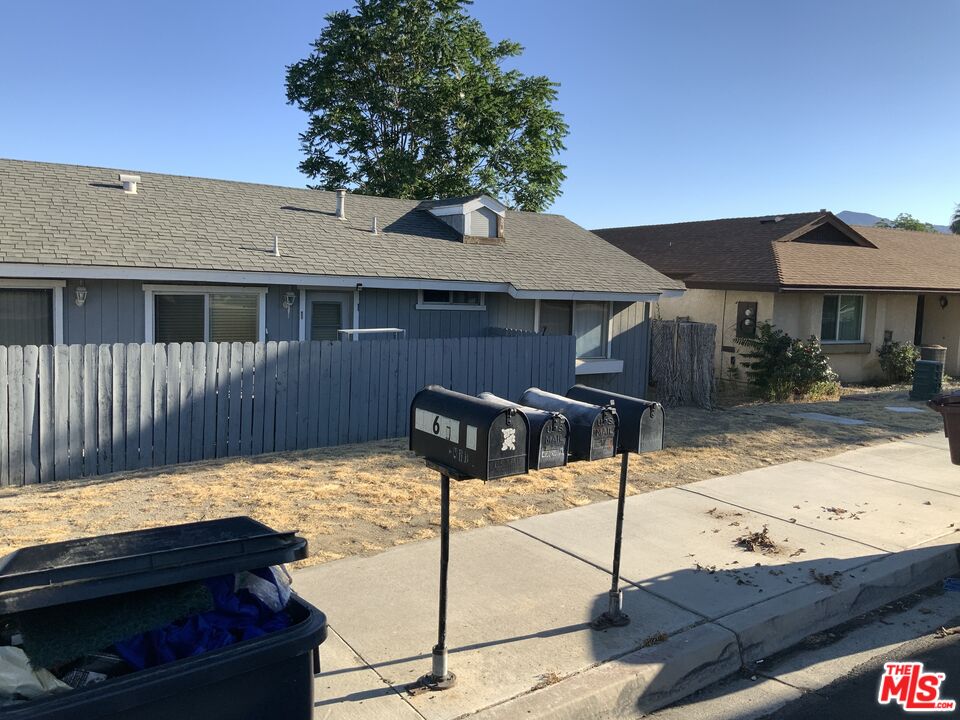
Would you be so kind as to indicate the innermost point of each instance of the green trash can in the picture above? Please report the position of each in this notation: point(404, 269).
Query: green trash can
point(927, 379)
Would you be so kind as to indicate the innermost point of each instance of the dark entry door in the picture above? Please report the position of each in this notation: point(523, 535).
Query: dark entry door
point(326, 318)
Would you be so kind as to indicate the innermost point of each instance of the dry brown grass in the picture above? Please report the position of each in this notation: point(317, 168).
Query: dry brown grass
point(361, 499)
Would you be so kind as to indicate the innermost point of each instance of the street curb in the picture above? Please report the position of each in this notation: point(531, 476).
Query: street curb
point(654, 677)
point(633, 684)
point(783, 621)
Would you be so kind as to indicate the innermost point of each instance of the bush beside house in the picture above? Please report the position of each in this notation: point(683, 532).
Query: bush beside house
point(783, 368)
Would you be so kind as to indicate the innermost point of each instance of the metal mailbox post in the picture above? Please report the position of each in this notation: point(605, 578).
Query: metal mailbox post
point(593, 428)
point(462, 437)
point(549, 433)
point(641, 430)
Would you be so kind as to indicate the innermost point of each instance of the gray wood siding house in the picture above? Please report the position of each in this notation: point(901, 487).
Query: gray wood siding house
point(85, 258)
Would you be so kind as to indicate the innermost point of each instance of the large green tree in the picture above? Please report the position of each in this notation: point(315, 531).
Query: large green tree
point(906, 221)
point(410, 99)
point(955, 222)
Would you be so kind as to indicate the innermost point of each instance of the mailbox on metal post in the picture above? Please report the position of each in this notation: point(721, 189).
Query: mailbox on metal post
point(593, 429)
point(475, 438)
point(549, 433)
point(462, 437)
point(641, 430)
point(641, 421)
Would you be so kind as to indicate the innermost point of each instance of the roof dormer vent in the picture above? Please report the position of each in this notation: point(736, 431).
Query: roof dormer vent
point(129, 183)
point(479, 219)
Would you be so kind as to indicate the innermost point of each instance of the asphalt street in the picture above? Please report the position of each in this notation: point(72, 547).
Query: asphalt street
point(855, 695)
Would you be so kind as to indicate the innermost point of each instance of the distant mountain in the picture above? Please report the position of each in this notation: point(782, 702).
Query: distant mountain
point(858, 218)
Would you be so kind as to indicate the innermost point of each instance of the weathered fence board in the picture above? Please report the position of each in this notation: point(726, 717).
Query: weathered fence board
point(90, 410)
point(172, 414)
point(132, 409)
point(199, 405)
point(15, 415)
point(159, 405)
point(270, 397)
point(118, 428)
point(4, 448)
point(185, 441)
point(233, 419)
point(48, 443)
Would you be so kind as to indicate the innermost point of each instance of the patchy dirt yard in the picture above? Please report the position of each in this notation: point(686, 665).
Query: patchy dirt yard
point(361, 499)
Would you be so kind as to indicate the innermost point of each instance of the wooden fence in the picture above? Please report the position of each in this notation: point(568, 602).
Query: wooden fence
point(682, 362)
point(84, 410)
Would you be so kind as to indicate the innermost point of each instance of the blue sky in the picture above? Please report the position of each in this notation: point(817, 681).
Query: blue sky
point(678, 109)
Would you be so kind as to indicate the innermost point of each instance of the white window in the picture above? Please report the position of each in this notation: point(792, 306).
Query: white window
point(185, 313)
point(842, 318)
point(31, 312)
point(588, 321)
point(450, 300)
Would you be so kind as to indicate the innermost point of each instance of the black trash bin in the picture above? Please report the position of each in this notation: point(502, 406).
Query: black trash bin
point(270, 676)
point(948, 405)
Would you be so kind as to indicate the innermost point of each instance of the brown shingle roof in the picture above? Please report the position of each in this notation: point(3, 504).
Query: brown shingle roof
point(801, 250)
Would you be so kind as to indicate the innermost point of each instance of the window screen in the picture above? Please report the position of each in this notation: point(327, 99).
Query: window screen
point(842, 318)
point(451, 297)
point(555, 317)
point(436, 296)
point(325, 320)
point(178, 318)
point(590, 328)
point(26, 317)
point(233, 318)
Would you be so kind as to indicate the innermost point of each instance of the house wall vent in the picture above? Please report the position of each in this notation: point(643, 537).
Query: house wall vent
point(129, 183)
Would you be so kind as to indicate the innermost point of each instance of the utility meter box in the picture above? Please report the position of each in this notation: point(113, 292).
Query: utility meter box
point(593, 429)
point(474, 438)
point(641, 421)
point(549, 434)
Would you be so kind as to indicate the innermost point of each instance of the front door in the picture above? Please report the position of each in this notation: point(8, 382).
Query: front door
point(327, 312)
point(326, 319)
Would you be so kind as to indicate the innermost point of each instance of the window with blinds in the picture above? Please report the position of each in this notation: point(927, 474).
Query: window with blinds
point(211, 317)
point(325, 320)
point(178, 318)
point(233, 318)
point(26, 317)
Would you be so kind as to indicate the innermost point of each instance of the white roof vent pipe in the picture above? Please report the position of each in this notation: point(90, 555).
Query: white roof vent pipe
point(129, 183)
point(341, 204)
point(374, 226)
point(276, 246)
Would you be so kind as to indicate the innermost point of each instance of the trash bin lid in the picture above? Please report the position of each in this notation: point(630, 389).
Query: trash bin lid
point(950, 398)
point(64, 572)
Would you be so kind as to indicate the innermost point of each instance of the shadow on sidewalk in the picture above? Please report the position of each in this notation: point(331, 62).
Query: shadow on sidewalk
point(834, 590)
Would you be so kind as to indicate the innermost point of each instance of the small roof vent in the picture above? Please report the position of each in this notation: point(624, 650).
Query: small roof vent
point(771, 219)
point(129, 183)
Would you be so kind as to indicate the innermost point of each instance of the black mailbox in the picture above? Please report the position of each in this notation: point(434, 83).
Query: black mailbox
point(472, 437)
point(549, 434)
point(593, 429)
point(641, 421)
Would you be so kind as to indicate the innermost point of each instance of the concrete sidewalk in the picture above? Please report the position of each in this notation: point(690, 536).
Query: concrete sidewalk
point(851, 532)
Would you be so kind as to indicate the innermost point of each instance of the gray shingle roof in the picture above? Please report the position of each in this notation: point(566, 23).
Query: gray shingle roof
point(74, 215)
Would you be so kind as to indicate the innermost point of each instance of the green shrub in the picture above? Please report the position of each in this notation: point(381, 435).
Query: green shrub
point(897, 360)
point(782, 368)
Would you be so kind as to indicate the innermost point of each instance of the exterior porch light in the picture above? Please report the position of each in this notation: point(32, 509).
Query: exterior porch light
point(287, 301)
point(80, 295)
point(943, 302)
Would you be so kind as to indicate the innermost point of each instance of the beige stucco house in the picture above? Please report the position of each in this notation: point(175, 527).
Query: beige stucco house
point(809, 274)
